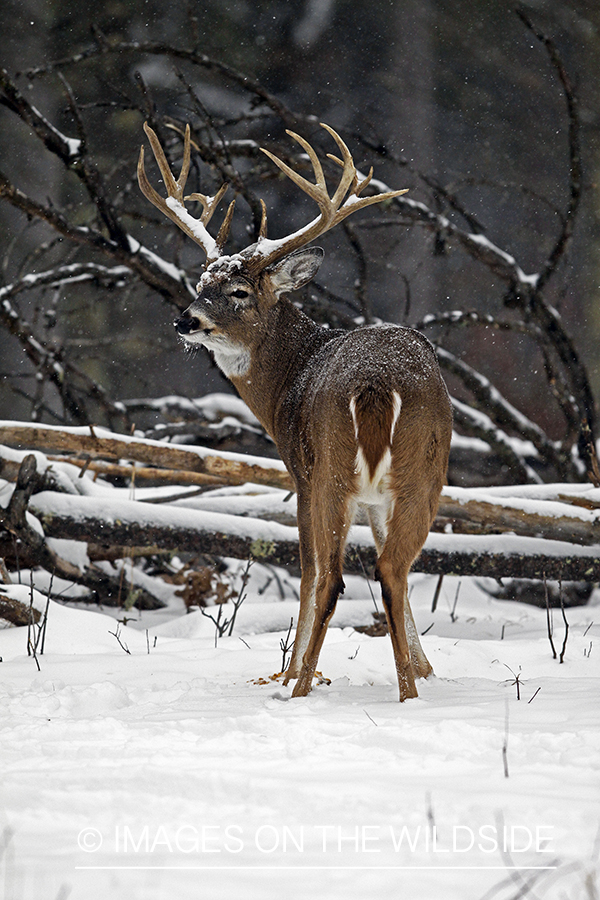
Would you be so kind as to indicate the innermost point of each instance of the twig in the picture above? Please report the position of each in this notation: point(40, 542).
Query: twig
point(117, 634)
point(517, 680)
point(224, 625)
point(286, 647)
point(505, 744)
point(241, 596)
point(362, 565)
point(45, 617)
point(549, 617)
point(436, 593)
point(562, 609)
point(31, 645)
point(453, 610)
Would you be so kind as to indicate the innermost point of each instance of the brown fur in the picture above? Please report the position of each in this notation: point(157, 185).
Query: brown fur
point(373, 415)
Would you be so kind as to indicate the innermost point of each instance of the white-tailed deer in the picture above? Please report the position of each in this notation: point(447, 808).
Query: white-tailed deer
point(359, 417)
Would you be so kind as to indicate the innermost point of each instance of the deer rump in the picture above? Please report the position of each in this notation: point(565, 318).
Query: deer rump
point(376, 414)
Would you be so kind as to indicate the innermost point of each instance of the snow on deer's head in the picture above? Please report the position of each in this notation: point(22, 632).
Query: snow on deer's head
point(235, 292)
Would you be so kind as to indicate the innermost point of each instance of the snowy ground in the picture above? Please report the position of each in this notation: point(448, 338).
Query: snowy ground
point(170, 772)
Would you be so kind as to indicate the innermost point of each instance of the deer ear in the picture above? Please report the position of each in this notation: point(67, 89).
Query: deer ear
point(295, 270)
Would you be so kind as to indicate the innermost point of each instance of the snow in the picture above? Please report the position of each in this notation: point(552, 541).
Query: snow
point(194, 226)
point(167, 267)
point(180, 769)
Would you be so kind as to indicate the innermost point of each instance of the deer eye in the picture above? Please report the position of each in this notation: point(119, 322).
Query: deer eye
point(240, 294)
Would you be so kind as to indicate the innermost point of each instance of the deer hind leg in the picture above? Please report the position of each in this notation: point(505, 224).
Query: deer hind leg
point(394, 592)
point(378, 520)
point(331, 520)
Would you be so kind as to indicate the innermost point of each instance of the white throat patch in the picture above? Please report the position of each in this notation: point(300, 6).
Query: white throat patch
point(233, 360)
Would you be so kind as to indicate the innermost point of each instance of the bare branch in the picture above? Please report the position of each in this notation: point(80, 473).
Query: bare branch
point(475, 423)
point(575, 171)
point(488, 398)
point(150, 268)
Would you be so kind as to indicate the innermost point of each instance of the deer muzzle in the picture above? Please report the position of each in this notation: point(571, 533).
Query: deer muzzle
point(187, 323)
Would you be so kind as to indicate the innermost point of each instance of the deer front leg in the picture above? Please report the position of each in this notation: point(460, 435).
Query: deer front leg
point(331, 519)
point(329, 587)
point(307, 586)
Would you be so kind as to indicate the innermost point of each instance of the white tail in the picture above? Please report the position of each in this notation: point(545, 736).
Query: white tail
point(360, 417)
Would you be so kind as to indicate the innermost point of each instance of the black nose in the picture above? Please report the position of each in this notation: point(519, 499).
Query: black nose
point(186, 323)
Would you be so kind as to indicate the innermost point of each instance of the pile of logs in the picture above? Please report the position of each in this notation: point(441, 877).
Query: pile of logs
point(524, 531)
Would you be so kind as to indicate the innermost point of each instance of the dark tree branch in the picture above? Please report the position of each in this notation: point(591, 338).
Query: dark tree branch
point(291, 119)
point(575, 173)
point(555, 376)
point(488, 399)
point(474, 423)
point(49, 360)
point(146, 265)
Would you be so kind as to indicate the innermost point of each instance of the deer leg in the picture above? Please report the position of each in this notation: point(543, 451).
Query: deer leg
point(331, 523)
point(394, 593)
point(307, 587)
point(422, 668)
point(420, 664)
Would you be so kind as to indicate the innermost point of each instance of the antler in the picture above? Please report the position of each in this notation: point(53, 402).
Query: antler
point(345, 201)
point(173, 205)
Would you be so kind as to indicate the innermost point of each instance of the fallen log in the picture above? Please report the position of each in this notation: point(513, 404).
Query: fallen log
point(95, 443)
point(553, 520)
point(553, 514)
point(145, 473)
point(131, 523)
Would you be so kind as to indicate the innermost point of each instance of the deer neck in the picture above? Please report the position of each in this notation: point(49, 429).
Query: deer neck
point(279, 352)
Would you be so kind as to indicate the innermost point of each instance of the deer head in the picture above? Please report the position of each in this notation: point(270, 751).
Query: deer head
point(235, 292)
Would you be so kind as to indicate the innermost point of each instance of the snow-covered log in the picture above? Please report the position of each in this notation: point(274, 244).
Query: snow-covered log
point(98, 443)
point(130, 522)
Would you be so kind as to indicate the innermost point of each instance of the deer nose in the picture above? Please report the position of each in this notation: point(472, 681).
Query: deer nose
point(186, 323)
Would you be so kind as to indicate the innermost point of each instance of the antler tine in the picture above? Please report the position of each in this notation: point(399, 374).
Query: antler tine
point(174, 188)
point(209, 204)
point(173, 206)
point(345, 200)
point(316, 191)
point(349, 174)
point(225, 225)
point(263, 220)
